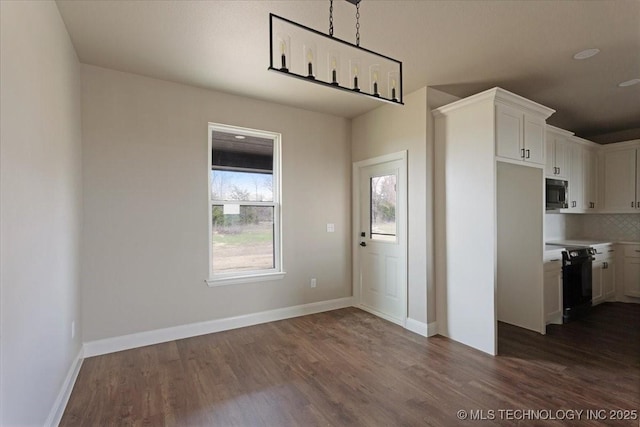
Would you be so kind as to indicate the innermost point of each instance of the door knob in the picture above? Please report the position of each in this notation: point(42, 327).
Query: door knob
point(363, 244)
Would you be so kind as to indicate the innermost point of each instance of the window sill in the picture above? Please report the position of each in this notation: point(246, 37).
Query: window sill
point(262, 277)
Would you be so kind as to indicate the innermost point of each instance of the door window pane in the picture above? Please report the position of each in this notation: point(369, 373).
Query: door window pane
point(242, 241)
point(383, 208)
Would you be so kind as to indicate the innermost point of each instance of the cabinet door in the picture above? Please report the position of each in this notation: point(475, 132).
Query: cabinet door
point(590, 179)
point(631, 277)
point(576, 184)
point(609, 278)
point(550, 164)
point(534, 140)
point(509, 142)
point(620, 180)
point(563, 158)
point(638, 179)
point(553, 295)
point(596, 282)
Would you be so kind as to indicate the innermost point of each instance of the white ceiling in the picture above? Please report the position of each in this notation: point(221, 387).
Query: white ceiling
point(460, 47)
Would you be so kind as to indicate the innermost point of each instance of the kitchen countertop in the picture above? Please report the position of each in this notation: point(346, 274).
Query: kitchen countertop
point(566, 243)
point(560, 245)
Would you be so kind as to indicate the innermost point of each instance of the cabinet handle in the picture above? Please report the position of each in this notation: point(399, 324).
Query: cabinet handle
point(637, 250)
point(606, 265)
point(611, 251)
point(557, 259)
point(528, 153)
point(631, 204)
point(522, 153)
point(558, 171)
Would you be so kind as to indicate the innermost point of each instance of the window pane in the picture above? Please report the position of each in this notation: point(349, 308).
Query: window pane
point(243, 238)
point(383, 208)
point(238, 151)
point(241, 186)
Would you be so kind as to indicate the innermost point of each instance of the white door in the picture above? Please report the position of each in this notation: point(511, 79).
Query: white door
point(380, 227)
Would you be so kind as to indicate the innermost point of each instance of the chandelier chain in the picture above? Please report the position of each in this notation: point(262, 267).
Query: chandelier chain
point(358, 24)
point(331, 18)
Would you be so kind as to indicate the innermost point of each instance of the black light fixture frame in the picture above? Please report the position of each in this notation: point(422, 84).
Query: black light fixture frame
point(272, 16)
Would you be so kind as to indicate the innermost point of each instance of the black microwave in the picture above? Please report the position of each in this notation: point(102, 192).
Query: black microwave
point(557, 194)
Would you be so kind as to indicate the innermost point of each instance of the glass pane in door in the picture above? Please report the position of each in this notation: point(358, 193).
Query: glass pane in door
point(383, 208)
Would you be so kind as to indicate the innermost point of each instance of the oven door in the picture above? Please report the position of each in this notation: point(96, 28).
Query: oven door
point(577, 285)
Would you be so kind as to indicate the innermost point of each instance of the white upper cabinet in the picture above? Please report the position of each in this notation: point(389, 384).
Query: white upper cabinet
point(520, 134)
point(583, 175)
point(558, 155)
point(534, 128)
point(590, 179)
point(621, 183)
point(509, 135)
point(576, 178)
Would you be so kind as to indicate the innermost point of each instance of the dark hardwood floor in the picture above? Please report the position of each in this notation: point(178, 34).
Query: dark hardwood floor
point(348, 367)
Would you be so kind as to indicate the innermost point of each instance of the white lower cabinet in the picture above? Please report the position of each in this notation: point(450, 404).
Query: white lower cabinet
point(553, 292)
point(603, 274)
point(609, 279)
point(631, 270)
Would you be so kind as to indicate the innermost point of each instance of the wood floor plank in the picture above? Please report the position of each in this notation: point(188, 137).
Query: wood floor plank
point(347, 367)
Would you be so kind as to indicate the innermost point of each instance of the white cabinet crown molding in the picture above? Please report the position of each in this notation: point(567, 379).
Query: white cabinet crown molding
point(497, 94)
point(558, 131)
point(624, 145)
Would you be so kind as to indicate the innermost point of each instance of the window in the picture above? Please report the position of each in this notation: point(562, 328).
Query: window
point(244, 194)
point(383, 208)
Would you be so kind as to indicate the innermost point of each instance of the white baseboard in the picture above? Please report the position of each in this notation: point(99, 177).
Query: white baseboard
point(55, 415)
point(421, 328)
point(432, 329)
point(157, 336)
point(417, 327)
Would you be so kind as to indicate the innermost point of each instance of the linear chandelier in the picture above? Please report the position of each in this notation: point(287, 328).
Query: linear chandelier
point(304, 53)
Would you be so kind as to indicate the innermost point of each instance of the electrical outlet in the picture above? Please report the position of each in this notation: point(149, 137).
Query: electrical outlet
point(331, 228)
point(73, 329)
point(313, 283)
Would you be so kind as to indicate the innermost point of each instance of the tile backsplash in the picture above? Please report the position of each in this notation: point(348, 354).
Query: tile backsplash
point(618, 227)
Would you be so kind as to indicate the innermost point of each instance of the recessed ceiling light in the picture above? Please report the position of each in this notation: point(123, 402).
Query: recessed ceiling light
point(240, 136)
point(587, 53)
point(629, 83)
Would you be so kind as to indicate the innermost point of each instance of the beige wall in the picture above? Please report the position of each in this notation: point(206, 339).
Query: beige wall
point(435, 99)
point(146, 212)
point(40, 213)
point(389, 129)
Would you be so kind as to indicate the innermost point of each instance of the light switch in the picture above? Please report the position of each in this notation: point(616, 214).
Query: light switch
point(331, 228)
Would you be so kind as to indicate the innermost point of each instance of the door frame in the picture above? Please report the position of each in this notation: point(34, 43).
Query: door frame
point(402, 229)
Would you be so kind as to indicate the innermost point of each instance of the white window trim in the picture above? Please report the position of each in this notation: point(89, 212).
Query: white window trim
point(276, 273)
